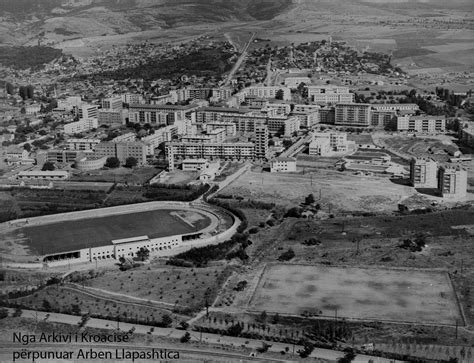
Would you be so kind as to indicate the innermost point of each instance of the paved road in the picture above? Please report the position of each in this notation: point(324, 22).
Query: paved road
point(195, 336)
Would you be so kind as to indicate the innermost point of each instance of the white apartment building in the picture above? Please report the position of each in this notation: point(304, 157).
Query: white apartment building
point(283, 165)
point(267, 92)
point(387, 107)
point(69, 103)
point(452, 182)
point(161, 135)
point(132, 98)
point(86, 111)
point(424, 173)
point(330, 94)
point(325, 143)
point(83, 125)
point(425, 123)
point(195, 164)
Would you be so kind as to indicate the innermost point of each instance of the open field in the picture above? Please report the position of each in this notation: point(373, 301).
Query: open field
point(71, 235)
point(119, 175)
point(169, 285)
point(339, 190)
point(396, 295)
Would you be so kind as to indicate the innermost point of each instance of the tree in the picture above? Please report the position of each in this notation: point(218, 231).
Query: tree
point(3, 313)
point(46, 305)
point(131, 162)
point(48, 166)
point(309, 199)
point(185, 338)
point(166, 321)
point(112, 162)
point(30, 91)
point(9, 88)
point(22, 92)
point(27, 147)
point(143, 253)
point(279, 94)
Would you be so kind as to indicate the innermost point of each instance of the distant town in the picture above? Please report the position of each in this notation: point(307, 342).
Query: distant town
point(311, 195)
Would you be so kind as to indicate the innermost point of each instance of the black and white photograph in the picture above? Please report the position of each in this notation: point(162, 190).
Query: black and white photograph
point(213, 181)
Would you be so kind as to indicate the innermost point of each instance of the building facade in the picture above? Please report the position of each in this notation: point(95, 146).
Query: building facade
point(424, 173)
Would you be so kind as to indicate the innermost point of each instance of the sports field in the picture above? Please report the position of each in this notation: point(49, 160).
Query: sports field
point(71, 235)
point(363, 293)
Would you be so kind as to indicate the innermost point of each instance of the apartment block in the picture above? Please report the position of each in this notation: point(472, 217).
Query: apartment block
point(132, 99)
point(424, 173)
point(396, 107)
point(267, 92)
point(324, 143)
point(229, 127)
point(112, 103)
point(161, 135)
point(63, 156)
point(86, 111)
point(283, 165)
point(83, 125)
point(110, 118)
point(178, 151)
point(425, 123)
point(452, 182)
point(155, 114)
point(122, 150)
point(261, 142)
point(467, 136)
point(330, 94)
point(382, 119)
point(215, 114)
point(246, 123)
point(82, 144)
point(352, 114)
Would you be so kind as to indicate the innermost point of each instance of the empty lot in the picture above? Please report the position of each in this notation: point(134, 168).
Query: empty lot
point(362, 293)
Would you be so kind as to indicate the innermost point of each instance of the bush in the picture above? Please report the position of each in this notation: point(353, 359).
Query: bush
point(287, 256)
point(185, 338)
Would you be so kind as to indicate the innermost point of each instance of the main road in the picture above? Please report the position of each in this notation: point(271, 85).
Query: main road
point(237, 64)
point(175, 334)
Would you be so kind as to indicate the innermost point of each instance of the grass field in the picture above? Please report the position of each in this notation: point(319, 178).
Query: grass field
point(397, 295)
point(70, 235)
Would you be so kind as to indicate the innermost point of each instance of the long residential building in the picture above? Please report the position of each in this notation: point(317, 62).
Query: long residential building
point(267, 92)
point(424, 123)
point(82, 144)
point(83, 125)
point(352, 114)
point(159, 114)
point(215, 114)
point(123, 150)
point(178, 151)
point(330, 94)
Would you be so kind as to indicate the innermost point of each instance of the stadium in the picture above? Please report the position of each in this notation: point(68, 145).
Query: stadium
point(163, 228)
